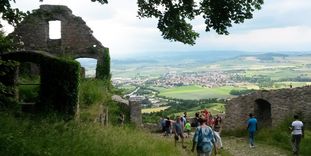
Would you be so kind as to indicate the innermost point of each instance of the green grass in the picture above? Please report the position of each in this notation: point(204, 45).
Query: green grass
point(275, 74)
point(278, 136)
point(51, 136)
point(197, 92)
point(285, 84)
point(28, 93)
point(281, 138)
point(92, 91)
point(156, 109)
point(94, 96)
point(214, 108)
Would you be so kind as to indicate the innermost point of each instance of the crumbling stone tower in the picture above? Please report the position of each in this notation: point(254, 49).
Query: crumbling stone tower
point(76, 39)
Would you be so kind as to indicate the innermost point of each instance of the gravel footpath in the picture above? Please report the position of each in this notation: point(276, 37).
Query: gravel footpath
point(240, 147)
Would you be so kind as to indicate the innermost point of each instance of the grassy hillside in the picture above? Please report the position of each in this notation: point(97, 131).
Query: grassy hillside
point(51, 136)
point(27, 134)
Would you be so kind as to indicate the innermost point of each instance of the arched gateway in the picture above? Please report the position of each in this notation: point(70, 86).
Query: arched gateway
point(262, 109)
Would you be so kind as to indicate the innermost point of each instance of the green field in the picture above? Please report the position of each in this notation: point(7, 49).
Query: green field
point(274, 74)
point(197, 92)
point(157, 109)
point(266, 71)
point(214, 108)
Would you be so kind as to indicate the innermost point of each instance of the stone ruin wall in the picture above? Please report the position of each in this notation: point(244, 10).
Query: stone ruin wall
point(133, 106)
point(76, 37)
point(284, 103)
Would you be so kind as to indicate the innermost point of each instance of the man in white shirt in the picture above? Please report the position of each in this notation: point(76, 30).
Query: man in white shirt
point(297, 134)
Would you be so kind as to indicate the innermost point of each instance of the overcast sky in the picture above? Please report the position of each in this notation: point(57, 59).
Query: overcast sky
point(281, 25)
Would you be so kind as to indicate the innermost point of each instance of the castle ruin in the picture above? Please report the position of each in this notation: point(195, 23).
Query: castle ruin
point(270, 107)
point(76, 39)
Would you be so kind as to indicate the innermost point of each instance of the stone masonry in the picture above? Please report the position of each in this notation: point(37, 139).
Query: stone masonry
point(76, 39)
point(135, 110)
point(270, 107)
point(133, 105)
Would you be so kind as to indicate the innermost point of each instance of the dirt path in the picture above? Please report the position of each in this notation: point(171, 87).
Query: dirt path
point(239, 147)
point(233, 146)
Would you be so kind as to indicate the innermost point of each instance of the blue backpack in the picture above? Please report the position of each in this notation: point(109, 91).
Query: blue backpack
point(205, 140)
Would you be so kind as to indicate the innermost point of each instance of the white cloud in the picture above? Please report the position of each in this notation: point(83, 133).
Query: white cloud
point(287, 6)
point(280, 25)
point(269, 39)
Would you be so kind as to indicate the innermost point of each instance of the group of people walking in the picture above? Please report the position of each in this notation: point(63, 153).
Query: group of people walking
point(207, 133)
point(206, 138)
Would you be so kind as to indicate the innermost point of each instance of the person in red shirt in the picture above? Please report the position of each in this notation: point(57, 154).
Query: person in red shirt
point(206, 115)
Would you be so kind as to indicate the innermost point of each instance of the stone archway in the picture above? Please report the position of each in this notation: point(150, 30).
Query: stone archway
point(263, 113)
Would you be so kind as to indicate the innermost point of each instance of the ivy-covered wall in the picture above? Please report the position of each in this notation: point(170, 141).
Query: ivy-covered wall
point(59, 81)
point(103, 65)
point(8, 80)
point(59, 85)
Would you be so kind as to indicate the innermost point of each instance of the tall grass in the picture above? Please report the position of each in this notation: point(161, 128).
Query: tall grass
point(24, 134)
point(92, 91)
point(51, 136)
point(28, 93)
point(94, 95)
point(279, 136)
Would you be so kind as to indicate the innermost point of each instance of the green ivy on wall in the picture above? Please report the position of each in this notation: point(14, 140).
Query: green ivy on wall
point(59, 81)
point(103, 68)
point(8, 84)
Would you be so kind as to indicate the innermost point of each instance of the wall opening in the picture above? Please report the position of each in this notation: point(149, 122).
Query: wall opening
point(263, 113)
point(89, 65)
point(28, 85)
point(55, 29)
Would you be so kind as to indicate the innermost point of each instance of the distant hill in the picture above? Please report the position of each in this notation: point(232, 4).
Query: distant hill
point(159, 62)
point(265, 56)
point(199, 57)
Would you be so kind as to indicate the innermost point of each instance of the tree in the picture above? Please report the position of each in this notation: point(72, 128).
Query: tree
point(13, 16)
point(7, 43)
point(174, 16)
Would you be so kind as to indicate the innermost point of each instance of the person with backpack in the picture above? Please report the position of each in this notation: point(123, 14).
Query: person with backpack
point(203, 139)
